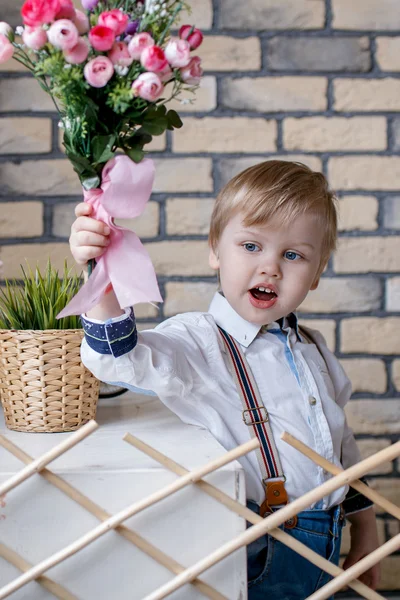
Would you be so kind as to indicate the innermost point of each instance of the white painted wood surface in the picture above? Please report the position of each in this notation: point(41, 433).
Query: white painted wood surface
point(37, 520)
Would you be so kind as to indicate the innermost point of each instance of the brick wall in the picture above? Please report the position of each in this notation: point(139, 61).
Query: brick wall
point(311, 80)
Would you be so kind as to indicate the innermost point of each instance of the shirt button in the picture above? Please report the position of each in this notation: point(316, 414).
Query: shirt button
point(312, 400)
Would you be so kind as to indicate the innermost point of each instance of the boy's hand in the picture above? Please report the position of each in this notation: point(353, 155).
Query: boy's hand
point(364, 539)
point(89, 238)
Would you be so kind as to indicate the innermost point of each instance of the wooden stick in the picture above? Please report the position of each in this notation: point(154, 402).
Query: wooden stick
point(82, 500)
point(254, 518)
point(23, 565)
point(124, 514)
point(374, 496)
point(357, 569)
point(45, 459)
point(277, 518)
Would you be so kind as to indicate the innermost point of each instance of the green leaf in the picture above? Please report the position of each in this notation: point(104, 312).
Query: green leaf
point(102, 148)
point(174, 119)
point(156, 126)
point(80, 163)
point(135, 154)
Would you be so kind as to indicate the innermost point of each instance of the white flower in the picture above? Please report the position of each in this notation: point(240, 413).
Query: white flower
point(185, 101)
point(121, 70)
point(19, 30)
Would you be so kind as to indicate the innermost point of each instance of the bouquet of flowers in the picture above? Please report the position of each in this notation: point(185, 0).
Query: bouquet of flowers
point(110, 70)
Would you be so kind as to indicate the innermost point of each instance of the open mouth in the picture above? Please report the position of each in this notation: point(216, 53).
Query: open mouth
point(263, 294)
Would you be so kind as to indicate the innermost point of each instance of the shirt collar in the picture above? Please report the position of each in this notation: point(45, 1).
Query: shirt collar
point(241, 330)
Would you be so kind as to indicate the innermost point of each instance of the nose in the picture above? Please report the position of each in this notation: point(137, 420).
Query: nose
point(270, 266)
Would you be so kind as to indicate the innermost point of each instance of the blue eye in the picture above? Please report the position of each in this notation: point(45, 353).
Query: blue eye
point(250, 247)
point(290, 255)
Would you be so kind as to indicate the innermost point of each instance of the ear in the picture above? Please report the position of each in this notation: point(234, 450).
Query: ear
point(213, 260)
point(315, 284)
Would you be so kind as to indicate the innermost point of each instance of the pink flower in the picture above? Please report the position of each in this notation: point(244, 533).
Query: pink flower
point(195, 38)
point(192, 73)
point(153, 59)
point(38, 12)
point(89, 4)
point(148, 86)
point(6, 48)
point(5, 28)
point(114, 19)
point(119, 55)
point(63, 34)
point(98, 71)
point(34, 37)
point(177, 52)
point(81, 22)
point(166, 74)
point(67, 10)
point(78, 54)
point(102, 38)
point(138, 43)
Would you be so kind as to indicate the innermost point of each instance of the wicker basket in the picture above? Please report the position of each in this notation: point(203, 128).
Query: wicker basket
point(44, 385)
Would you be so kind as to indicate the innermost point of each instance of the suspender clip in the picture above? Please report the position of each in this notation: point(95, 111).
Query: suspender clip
point(248, 417)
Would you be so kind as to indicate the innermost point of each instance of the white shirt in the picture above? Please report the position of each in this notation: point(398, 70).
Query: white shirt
point(183, 360)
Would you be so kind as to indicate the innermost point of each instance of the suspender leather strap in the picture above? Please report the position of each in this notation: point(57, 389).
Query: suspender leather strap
point(256, 417)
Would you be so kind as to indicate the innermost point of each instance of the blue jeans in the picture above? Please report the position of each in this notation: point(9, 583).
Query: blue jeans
point(275, 572)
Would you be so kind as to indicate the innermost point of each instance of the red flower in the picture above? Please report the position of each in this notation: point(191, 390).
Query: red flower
point(38, 12)
point(192, 35)
point(102, 38)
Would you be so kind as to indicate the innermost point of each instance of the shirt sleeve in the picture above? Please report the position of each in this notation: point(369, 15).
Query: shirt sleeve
point(117, 336)
point(354, 500)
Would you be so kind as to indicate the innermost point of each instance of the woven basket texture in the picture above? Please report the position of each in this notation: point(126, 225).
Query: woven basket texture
point(44, 386)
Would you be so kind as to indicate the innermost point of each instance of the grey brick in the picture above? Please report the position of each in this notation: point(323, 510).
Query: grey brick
point(10, 12)
point(319, 54)
point(396, 133)
point(391, 212)
point(272, 14)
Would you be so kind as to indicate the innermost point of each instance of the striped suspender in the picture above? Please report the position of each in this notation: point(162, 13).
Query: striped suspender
point(255, 416)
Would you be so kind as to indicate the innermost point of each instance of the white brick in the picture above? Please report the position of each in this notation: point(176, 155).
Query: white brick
point(320, 134)
point(367, 94)
point(275, 94)
point(362, 15)
point(188, 296)
point(396, 374)
point(225, 134)
point(200, 14)
point(24, 135)
point(366, 374)
point(370, 335)
point(358, 213)
point(369, 447)
point(183, 175)
point(393, 294)
point(387, 487)
point(205, 99)
point(180, 258)
point(272, 14)
point(367, 254)
point(388, 52)
point(189, 216)
point(364, 172)
point(343, 295)
point(378, 417)
point(21, 219)
point(224, 53)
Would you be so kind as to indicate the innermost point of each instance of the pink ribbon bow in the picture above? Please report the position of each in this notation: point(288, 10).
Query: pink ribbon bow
point(124, 191)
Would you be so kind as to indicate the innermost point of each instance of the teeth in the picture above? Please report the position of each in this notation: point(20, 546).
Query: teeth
point(263, 289)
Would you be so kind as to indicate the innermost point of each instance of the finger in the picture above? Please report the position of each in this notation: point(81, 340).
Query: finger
point(88, 238)
point(86, 253)
point(83, 208)
point(91, 225)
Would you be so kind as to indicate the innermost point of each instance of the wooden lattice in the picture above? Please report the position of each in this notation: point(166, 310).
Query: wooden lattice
point(184, 575)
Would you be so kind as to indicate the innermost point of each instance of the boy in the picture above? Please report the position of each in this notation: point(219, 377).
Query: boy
point(273, 229)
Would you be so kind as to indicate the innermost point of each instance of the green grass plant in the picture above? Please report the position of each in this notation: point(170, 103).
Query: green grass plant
point(34, 302)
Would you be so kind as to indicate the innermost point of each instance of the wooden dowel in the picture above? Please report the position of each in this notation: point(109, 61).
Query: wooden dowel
point(23, 565)
point(277, 518)
point(45, 459)
point(124, 514)
point(252, 517)
point(85, 502)
point(357, 569)
point(361, 487)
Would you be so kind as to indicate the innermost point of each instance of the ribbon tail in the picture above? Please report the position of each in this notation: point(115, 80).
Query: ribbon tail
point(131, 271)
point(90, 293)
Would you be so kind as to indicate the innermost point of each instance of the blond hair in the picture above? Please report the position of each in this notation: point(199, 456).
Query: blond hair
point(277, 188)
